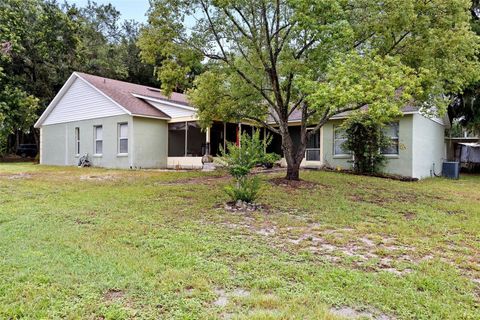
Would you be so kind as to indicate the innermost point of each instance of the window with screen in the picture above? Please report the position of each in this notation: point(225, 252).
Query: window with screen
point(391, 131)
point(98, 131)
point(339, 139)
point(123, 138)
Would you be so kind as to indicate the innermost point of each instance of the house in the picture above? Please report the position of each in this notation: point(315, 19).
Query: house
point(125, 125)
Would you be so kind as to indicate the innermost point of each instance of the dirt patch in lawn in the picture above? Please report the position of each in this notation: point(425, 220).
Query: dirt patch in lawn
point(381, 199)
point(224, 297)
point(105, 177)
point(18, 176)
point(295, 184)
point(200, 180)
point(350, 313)
point(113, 295)
point(339, 246)
point(409, 216)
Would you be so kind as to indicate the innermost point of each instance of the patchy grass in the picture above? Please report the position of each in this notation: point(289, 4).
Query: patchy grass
point(111, 244)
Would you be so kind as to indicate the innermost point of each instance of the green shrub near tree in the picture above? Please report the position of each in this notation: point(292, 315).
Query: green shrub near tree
point(240, 160)
point(366, 140)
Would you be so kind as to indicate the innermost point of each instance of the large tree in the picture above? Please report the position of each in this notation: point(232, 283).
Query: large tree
point(268, 59)
point(464, 111)
point(47, 41)
point(42, 44)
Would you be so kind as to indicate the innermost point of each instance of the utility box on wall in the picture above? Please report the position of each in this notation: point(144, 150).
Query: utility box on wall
point(451, 170)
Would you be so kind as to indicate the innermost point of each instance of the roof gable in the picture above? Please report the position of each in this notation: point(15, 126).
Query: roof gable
point(79, 101)
point(86, 96)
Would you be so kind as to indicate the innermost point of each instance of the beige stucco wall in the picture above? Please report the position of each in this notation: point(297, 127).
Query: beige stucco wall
point(150, 143)
point(400, 164)
point(147, 143)
point(185, 162)
point(58, 142)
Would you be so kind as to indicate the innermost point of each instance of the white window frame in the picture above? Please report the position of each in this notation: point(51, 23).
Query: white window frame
point(77, 141)
point(120, 138)
point(394, 138)
point(95, 140)
point(343, 154)
point(314, 149)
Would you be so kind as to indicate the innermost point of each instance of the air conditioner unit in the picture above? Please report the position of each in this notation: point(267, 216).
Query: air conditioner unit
point(451, 170)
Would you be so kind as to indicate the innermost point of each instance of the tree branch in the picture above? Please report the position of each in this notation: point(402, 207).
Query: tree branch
point(263, 123)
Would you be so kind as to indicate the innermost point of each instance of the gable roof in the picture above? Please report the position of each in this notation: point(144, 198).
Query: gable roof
point(128, 96)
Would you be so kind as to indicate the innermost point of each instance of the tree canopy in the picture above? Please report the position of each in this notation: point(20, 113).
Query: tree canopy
point(464, 109)
point(44, 42)
point(268, 59)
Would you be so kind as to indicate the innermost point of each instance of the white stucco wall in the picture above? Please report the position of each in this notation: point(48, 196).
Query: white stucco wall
point(428, 146)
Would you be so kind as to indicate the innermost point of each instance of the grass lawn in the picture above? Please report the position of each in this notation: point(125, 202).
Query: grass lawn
point(112, 244)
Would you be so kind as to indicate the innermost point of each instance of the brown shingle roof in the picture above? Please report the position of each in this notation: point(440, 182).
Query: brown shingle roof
point(297, 114)
point(122, 93)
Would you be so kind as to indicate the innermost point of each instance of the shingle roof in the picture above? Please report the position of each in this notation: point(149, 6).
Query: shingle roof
point(297, 114)
point(405, 109)
point(122, 93)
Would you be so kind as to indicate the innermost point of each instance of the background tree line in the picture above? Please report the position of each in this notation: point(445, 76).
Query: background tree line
point(43, 42)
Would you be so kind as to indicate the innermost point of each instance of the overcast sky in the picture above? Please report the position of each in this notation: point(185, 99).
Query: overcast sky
point(130, 9)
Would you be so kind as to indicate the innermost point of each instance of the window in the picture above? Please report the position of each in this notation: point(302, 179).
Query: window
point(77, 141)
point(391, 131)
point(339, 138)
point(123, 138)
point(98, 131)
point(312, 152)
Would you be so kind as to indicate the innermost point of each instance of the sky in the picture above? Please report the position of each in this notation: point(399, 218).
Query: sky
point(130, 9)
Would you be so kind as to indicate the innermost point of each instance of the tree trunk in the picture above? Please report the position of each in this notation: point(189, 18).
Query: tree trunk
point(293, 171)
point(293, 156)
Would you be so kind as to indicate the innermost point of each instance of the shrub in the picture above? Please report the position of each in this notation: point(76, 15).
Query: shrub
point(366, 139)
point(246, 189)
point(269, 159)
point(239, 161)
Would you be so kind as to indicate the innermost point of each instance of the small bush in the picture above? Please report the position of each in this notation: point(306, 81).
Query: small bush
point(246, 189)
point(240, 160)
point(269, 159)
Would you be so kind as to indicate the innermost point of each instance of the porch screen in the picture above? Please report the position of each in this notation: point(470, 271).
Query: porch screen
point(196, 140)
point(176, 139)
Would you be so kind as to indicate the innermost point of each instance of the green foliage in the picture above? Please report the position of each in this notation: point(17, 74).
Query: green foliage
point(464, 110)
point(47, 41)
point(320, 57)
point(270, 158)
point(245, 189)
point(366, 139)
point(17, 111)
point(239, 161)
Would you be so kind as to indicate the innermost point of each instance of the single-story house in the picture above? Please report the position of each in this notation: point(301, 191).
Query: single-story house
point(124, 125)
